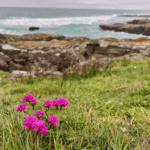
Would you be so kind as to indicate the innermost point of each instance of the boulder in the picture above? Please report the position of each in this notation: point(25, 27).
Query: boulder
point(139, 21)
point(57, 37)
point(33, 28)
point(38, 63)
point(67, 60)
point(15, 66)
point(4, 57)
point(3, 65)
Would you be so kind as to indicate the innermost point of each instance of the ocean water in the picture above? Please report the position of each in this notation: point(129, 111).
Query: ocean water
point(69, 22)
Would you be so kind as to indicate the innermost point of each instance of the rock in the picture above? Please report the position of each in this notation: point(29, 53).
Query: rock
point(4, 57)
point(38, 37)
point(103, 61)
point(139, 47)
point(90, 49)
point(86, 55)
point(134, 29)
point(17, 74)
point(67, 60)
point(136, 56)
point(33, 28)
point(147, 30)
point(0, 47)
point(134, 15)
point(10, 52)
point(39, 63)
point(46, 48)
point(20, 61)
point(101, 50)
point(51, 37)
point(139, 21)
point(93, 44)
point(117, 51)
point(3, 65)
point(14, 66)
point(3, 38)
point(23, 55)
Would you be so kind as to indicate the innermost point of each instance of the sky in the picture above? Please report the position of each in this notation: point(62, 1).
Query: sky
point(91, 4)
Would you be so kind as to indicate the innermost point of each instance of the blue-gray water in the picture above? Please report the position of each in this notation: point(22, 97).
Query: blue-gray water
point(69, 22)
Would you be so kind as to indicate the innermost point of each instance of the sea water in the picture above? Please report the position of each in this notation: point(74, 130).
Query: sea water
point(69, 22)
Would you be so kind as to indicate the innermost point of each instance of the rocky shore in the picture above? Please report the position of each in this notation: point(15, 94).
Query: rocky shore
point(138, 26)
point(134, 16)
point(34, 54)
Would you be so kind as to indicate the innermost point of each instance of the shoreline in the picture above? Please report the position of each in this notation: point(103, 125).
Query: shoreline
point(47, 54)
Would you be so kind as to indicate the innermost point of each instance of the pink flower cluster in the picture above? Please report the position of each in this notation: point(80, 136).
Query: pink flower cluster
point(27, 98)
point(52, 120)
point(28, 121)
point(36, 124)
point(62, 102)
point(39, 113)
point(33, 123)
point(21, 107)
point(48, 104)
point(39, 127)
point(30, 99)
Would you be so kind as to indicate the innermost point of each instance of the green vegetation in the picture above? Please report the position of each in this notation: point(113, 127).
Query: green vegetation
point(3, 74)
point(100, 116)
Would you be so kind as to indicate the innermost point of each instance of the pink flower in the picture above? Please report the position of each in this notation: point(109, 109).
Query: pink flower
point(33, 101)
point(27, 98)
point(62, 102)
point(120, 84)
point(28, 121)
point(21, 107)
point(39, 127)
point(39, 113)
point(52, 120)
point(48, 104)
point(116, 85)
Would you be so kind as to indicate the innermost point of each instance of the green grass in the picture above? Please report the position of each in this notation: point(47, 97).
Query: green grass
point(99, 115)
point(3, 74)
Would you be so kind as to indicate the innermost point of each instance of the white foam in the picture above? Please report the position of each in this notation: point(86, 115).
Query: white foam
point(50, 22)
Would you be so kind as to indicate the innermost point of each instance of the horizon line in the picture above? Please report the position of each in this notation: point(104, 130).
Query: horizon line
point(72, 8)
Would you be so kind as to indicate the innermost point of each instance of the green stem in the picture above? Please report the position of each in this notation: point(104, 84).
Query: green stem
point(37, 141)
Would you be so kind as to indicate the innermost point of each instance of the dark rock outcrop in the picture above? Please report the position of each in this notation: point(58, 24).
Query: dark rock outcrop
point(33, 28)
point(140, 26)
point(134, 16)
point(139, 21)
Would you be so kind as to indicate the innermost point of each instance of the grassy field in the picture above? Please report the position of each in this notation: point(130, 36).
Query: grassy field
point(100, 116)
